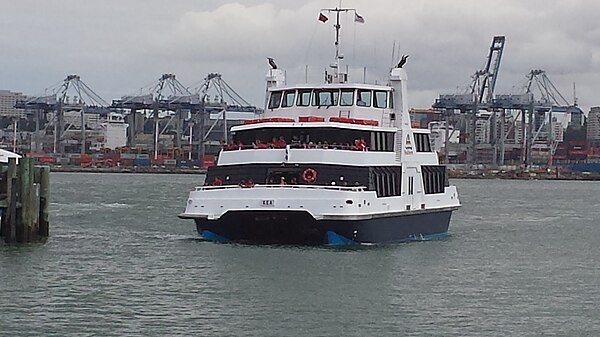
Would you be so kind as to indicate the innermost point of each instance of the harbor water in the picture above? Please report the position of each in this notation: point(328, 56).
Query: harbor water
point(522, 259)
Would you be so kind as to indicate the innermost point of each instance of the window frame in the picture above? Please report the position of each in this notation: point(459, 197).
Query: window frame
point(300, 97)
point(284, 98)
point(334, 96)
point(376, 100)
point(271, 104)
point(359, 97)
point(352, 93)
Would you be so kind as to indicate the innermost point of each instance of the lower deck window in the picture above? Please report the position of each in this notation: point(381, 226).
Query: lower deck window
point(386, 180)
point(435, 178)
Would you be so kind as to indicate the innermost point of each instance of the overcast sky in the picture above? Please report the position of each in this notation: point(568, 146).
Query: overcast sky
point(120, 46)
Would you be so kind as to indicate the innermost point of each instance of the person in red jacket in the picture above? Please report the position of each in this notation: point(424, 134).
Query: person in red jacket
point(363, 145)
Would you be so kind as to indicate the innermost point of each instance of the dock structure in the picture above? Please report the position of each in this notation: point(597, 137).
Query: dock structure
point(24, 201)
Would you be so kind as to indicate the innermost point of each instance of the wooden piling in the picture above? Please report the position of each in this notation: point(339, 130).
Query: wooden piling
point(24, 178)
point(24, 204)
point(44, 216)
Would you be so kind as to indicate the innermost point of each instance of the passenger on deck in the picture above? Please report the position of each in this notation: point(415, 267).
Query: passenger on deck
point(295, 143)
point(282, 181)
point(247, 183)
point(231, 146)
point(259, 145)
point(360, 144)
point(217, 182)
point(363, 144)
point(281, 142)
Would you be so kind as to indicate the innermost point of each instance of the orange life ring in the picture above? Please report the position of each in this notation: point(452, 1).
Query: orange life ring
point(309, 175)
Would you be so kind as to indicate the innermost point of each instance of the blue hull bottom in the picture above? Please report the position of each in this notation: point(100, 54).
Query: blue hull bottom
point(292, 227)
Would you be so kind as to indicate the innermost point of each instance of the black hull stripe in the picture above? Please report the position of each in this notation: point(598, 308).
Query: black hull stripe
point(292, 227)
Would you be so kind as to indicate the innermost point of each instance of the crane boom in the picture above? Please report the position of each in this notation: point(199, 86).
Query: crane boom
point(484, 81)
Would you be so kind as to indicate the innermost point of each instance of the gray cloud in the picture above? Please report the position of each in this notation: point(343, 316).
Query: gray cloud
point(120, 46)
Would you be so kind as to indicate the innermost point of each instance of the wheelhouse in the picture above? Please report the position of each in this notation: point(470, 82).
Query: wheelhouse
point(378, 97)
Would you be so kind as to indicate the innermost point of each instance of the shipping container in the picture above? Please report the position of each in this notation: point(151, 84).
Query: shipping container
point(113, 156)
point(126, 162)
point(170, 162)
point(142, 156)
point(46, 160)
point(141, 162)
point(128, 156)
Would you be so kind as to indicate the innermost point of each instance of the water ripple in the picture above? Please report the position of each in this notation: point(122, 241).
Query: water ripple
point(522, 260)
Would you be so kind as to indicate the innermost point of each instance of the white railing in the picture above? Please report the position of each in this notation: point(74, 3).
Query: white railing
point(301, 187)
point(314, 156)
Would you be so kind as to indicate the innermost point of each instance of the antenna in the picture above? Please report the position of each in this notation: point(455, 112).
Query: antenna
point(393, 53)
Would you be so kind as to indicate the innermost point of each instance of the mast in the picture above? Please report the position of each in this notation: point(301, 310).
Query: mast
point(338, 75)
point(337, 40)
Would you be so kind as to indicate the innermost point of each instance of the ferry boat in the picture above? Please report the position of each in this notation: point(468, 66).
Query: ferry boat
point(335, 163)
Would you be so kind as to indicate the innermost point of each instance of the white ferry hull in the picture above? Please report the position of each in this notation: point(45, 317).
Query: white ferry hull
point(315, 215)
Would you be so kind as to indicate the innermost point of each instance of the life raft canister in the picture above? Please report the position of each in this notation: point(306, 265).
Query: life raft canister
point(309, 175)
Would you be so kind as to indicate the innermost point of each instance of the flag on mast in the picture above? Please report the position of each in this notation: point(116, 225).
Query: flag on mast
point(358, 18)
point(323, 18)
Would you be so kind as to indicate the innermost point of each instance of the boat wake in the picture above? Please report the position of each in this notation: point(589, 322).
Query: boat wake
point(75, 208)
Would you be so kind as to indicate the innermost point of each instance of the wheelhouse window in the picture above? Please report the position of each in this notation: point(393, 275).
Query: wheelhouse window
point(303, 97)
point(380, 99)
point(364, 98)
point(325, 97)
point(275, 99)
point(288, 98)
point(347, 97)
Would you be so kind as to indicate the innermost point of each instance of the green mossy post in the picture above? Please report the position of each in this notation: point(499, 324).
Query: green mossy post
point(44, 213)
point(24, 200)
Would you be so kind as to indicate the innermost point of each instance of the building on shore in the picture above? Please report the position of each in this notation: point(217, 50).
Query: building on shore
point(8, 99)
point(593, 124)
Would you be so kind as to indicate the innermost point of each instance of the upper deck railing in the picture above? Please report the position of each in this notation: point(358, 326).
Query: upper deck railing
point(278, 186)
